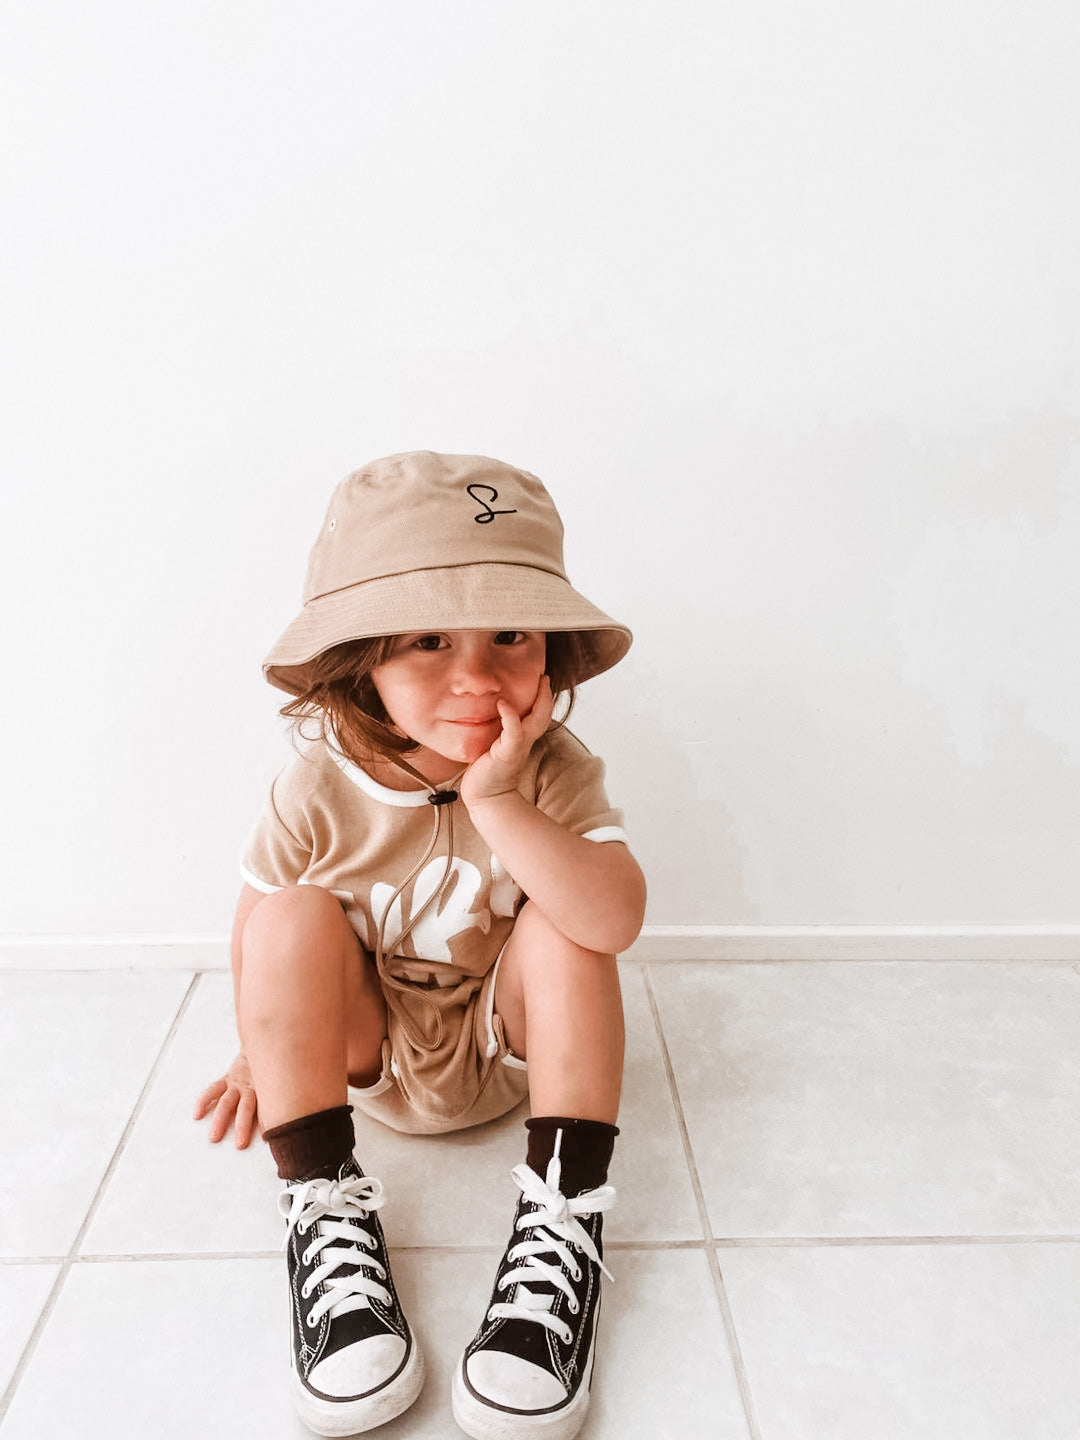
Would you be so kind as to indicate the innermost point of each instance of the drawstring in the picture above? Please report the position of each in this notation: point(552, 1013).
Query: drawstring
point(441, 800)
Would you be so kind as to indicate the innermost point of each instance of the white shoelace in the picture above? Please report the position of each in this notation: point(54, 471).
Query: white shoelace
point(307, 1205)
point(556, 1232)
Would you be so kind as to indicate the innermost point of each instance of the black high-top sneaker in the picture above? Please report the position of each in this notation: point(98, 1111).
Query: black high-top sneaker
point(355, 1362)
point(528, 1370)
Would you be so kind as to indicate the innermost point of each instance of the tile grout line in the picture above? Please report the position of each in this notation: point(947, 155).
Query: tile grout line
point(73, 1253)
point(742, 1379)
point(120, 1257)
point(885, 1242)
point(729, 1242)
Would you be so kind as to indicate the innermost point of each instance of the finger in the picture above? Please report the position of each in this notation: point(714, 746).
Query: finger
point(511, 721)
point(245, 1119)
point(209, 1098)
point(507, 744)
point(536, 721)
point(223, 1115)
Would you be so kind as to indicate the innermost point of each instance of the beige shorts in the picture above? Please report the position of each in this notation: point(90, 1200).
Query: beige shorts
point(445, 1062)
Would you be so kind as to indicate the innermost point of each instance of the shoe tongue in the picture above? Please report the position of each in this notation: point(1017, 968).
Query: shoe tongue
point(536, 1293)
point(530, 1299)
point(343, 1268)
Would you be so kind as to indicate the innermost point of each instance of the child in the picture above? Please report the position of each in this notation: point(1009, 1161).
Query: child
point(435, 894)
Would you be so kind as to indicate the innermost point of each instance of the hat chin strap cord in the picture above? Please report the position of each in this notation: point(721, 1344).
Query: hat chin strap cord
point(442, 801)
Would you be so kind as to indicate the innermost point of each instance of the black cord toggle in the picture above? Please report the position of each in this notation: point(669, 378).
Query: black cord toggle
point(443, 797)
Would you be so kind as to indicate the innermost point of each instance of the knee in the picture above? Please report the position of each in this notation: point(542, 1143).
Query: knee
point(536, 942)
point(304, 916)
point(298, 950)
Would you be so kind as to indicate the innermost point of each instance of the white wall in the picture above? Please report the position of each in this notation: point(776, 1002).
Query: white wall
point(781, 300)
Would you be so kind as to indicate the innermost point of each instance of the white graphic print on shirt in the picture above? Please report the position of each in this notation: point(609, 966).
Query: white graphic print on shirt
point(452, 916)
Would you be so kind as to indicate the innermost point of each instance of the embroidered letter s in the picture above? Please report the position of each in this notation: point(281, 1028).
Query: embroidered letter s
point(487, 514)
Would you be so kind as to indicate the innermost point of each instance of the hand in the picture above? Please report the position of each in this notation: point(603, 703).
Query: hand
point(231, 1098)
point(498, 771)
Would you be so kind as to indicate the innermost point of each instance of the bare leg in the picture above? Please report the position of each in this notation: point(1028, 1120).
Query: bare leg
point(561, 1010)
point(311, 1010)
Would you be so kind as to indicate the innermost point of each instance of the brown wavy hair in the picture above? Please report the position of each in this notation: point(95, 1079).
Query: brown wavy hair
point(343, 707)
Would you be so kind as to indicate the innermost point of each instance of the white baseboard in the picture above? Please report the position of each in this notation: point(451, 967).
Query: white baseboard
point(114, 952)
point(657, 943)
point(857, 942)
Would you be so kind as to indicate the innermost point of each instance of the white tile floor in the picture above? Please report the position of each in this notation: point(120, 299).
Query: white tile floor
point(849, 1209)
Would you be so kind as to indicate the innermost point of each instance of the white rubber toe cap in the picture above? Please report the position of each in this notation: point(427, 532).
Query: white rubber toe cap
point(514, 1383)
point(358, 1368)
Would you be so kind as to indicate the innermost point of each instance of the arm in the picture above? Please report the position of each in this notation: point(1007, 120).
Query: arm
point(232, 1097)
point(593, 892)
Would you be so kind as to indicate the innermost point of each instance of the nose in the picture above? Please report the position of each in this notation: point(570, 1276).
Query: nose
point(475, 671)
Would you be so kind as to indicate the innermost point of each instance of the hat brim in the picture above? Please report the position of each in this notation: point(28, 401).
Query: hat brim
point(460, 597)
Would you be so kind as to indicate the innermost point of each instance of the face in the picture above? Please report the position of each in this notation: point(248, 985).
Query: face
point(441, 688)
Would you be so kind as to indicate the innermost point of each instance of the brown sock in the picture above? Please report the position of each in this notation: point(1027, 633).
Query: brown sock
point(585, 1152)
point(313, 1145)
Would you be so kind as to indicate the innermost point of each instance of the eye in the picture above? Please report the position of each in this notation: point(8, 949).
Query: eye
point(510, 637)
point(429, 642)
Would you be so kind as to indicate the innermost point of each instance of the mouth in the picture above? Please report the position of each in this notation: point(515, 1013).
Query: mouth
point(476, 722)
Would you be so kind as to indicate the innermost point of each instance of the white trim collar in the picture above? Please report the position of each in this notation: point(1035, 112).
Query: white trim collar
point(408, 799)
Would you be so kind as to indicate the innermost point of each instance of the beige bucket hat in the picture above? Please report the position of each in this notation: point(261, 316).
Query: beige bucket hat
point(422, 541)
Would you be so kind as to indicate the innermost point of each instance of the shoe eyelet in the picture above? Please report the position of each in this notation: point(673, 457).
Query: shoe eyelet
point(575, 1274)
point(310, 1321)
point(305, 1291)
point(573, 1306)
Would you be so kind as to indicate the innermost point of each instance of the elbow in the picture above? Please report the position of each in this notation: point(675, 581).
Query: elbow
point(629, 929)
point(623, 917)
point(621, 940)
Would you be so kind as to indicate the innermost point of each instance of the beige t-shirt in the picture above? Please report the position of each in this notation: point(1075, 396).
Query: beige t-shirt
point(328, 822)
